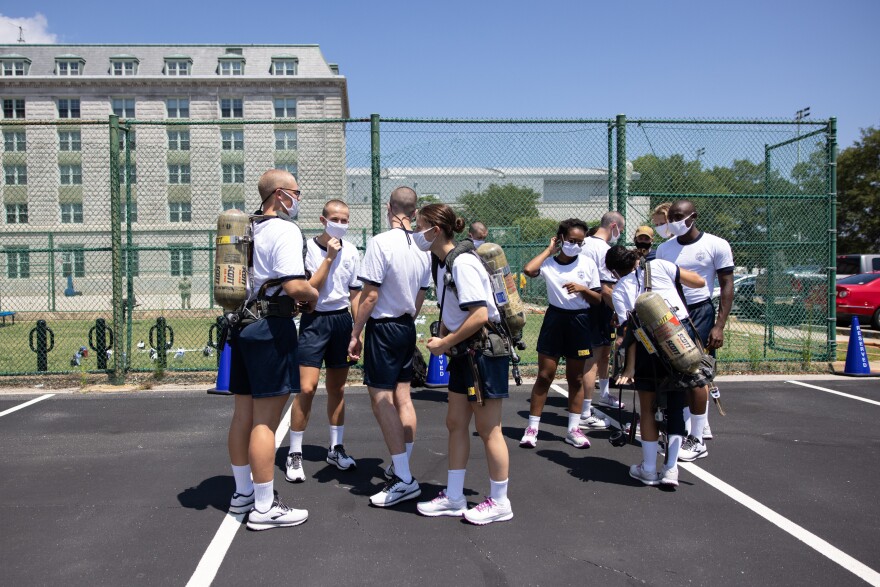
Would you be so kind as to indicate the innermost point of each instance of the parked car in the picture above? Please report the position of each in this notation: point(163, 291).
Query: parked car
point(855, 264)
point(859, 295)
point(743, 292)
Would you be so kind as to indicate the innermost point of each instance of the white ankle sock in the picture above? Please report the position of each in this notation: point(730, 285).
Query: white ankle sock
point(649, 456)
point(587, 408)
point(336, 435)
point(401, 467)
point(687, 420)
point(498, 491)
point(698, 421)
point(455, 483)
point(603, 386)
point(263, 496)
point(534, 422)
point(672, 450)
point(296, 441)
point(243, 482)
point(707, 411)
point(573, 420)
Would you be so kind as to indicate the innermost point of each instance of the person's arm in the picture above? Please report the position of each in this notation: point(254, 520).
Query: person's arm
point(594, 297)
point(629, 366)
point(300, 290)
point(354, 298)
point(322, 271)
point(368, 298)
point(477, 317)
point(533, 267)
point(691, 278)
point(420, 299)
point(716, 335)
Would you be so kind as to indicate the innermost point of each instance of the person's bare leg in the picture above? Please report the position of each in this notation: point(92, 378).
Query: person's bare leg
point(261, 450)
point(335, 381)
point(240, 430)
point(458, 421)
point(302, 402)
point(546, 373)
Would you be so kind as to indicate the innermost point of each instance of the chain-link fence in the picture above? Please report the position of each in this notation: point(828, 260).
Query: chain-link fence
point(764, 186)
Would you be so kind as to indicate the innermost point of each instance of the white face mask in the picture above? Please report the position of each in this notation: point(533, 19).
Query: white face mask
point(663, 231)
point(613, 238)
point(571, 249)
point(336, 229)
point(421, 241)
point(292, 210)
point(477, 243)
point(679, 227)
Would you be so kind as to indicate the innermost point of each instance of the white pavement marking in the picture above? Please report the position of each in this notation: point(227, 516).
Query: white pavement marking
point(852, 565)
point(861, 399)
point(216, 552)
point(26, 404)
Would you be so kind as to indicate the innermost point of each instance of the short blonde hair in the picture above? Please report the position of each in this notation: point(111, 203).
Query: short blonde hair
point(662, 209)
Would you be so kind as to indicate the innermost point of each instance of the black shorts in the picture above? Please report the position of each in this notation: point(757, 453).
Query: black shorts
point(492, 369)
point(389, 344)
point(566, 333)
point(324, 338)
point(600, 325)
point(264, 358)
point(703, 316)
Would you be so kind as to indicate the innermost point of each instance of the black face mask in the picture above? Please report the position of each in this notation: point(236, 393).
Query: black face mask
point(643, 246)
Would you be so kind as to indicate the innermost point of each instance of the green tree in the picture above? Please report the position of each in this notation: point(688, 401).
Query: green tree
point(499, 205)
point(858, 194)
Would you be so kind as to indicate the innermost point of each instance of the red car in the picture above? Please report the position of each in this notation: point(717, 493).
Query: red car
point(859, 295)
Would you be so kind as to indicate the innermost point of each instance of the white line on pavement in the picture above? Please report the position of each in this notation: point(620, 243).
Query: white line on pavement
point(216, 552)
point(26, 404)
point(861, 399)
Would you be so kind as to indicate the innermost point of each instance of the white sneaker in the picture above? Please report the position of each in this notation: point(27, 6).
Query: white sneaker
point(489, 511)
point(337, 456)
point(241, 504)
point(530, 438)
point(707, 432)
point(637, 472)
point(442, 506)
point(692, 449)
point(577, 439)
point(609, 401)
point(669, 476)
point(396, 491)
point(278, 516)
point(594, 422)
point(294, 469)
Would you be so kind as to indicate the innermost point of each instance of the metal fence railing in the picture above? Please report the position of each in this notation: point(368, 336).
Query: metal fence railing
point(109, 235)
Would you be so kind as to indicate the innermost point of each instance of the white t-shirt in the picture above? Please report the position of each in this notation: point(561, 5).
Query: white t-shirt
point(596, 248)
point(334, 294)
point(472, 288)
point(664, 276)
point(278, 252)
point(707, 256)
point(581, 270)
point(399, 269)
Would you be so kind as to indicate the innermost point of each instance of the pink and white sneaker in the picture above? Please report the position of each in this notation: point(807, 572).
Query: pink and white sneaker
point(530, 438)
point(489, 511)
point(577, 439)
point(442, 505)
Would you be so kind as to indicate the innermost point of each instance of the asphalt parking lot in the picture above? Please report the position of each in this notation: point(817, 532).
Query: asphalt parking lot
point(133, 488)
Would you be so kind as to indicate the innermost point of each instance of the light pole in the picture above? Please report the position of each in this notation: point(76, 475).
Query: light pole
point(799, 116)
point(700, 152)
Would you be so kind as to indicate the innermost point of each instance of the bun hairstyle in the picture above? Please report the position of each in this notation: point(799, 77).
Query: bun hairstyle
point(442, 216)
point(566, 225)
point(620, 259)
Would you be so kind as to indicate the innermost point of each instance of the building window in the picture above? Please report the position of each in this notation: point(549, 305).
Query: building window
point(68, 108)
point(231, 108)
point(231, 67)
point(14, 140)
point(73, 262)
point(132, 175)
point(18, 263)
point(284, 66)
point(134, 211)
point(233, 204)
point(123, 107)
point(15, 174)
point(177, 66)
point(233, 173)
point(177, 107)
point(178, 174)
point(285, 107)
point(123, 67)
point(69, 140)
point(13, 108)
point(16, 213)
point(14, 67)
point(285, 140)
point(135, 262)
point(70, 174)
point(232, 140)
point(65, 67)
point(288, 167)
point(72, 213)
point(181, 261)
point(178, 140)
point(129, 137)
point(179, 211)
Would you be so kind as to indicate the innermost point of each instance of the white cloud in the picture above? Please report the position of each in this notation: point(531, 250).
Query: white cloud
point(35, 29)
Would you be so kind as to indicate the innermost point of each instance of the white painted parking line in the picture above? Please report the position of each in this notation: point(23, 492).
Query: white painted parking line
point(26, 404)
point(212, 559)
point(840, 393)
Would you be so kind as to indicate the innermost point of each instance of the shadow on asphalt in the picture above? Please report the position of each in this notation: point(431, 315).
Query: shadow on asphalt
point(213, 492)
point(591, 469)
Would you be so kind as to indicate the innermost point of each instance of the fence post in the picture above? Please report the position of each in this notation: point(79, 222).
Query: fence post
point(51, 244)
point(610, 161)
point(375, 171)
point(622, 187)
point(768, 305)
point(831, 162)
point(117, 376)
point(129, 278)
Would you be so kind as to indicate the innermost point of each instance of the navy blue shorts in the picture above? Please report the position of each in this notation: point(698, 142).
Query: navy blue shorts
point(566, 333)
point(600, 325)
point(703, 316)
point(492, 369)
point(264, 358)
point(324, 338)
point(389, 344)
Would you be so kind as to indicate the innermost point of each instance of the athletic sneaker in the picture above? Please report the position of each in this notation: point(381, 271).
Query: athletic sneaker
point(530, 438)
point(278, 516)
point(707, 432)
point(396, 491)
point(389, 472)
point(489, 511)
point(608, 401)
point(577, 439)
point(637, 472)
point(669, 476)
point(692, 449)
point(442, 506)
point(337, 456)
point(241, 504)
point(594, 422)
point(294, 469)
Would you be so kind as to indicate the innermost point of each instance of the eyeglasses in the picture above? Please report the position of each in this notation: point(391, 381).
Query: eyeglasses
point(296, 193)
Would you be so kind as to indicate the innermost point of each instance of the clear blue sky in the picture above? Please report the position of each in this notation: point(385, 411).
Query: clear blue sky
point(645, 58)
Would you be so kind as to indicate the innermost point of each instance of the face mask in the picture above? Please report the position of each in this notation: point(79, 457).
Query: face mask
point(679, 228)
point(571, 249)
point(613, 238)
point(663, 231)
point(421, 242)
point(291, 211)
point(477, 243)
point(336, 229)
point(643, 246)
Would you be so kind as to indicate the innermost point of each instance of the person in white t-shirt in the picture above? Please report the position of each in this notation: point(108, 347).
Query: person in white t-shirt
point(324, 336)
point(396, 275)
point(646, 371)
point(710, 256)
point(467, 306)
point(573, 285)
point(478, 233)
point(264, 368)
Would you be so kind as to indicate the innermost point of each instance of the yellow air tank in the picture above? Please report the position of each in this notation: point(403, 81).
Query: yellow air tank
point(661, 323)
point(231, 262)
point(504, 287)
